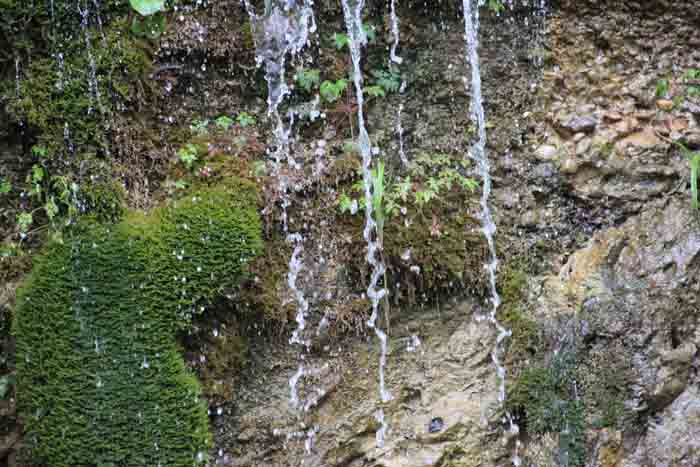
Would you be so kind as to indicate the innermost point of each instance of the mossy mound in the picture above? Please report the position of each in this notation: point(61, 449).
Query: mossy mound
point(100, 377)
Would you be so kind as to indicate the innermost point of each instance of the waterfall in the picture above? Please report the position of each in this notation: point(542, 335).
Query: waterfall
point(478, 153)
point(358, 38)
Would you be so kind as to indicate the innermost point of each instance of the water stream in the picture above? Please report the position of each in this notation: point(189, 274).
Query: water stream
point(478, 153)
point(358, 38)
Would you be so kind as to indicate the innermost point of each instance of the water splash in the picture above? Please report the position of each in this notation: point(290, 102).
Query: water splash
point(358, 38)
point(478, 153)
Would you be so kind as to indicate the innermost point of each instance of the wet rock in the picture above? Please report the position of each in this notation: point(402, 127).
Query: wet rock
point(665, 105)
point(692, 107)
point(672, 439)
point(572, 124)
point(546, 153)
point(569, 166)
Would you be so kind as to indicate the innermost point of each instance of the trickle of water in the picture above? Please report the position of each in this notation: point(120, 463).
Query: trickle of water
point(478, 153)
point(395, 32)
point(284, 30)
point(357, 39)
point(93, 86)
point(18, 87)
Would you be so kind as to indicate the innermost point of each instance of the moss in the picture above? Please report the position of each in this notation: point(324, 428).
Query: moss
point(217, 351)
point(525, 339)
point(544, 399)
point(66, 105)
point(100, 376)
point(54, 100)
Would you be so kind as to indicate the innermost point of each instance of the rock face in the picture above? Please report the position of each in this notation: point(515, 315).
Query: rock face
point(444, 402)
point(597, 177)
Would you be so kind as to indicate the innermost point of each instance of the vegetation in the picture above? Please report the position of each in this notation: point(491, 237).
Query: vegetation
point(108, 385)
point(548, 403)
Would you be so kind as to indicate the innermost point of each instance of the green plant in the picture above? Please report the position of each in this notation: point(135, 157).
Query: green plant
point(375, 91)
point(24, 221)
point(200, 127)
point(662, 87)
point(5, 384)
point(692, 79)
point(307, 79)
point(188, 155)
point(341, 40)
point(150, 27)
point(429, 177)
point(244, 119)
point(496, 6)
point(5, 186)
point(331, 91)
point(109, 385)
point(224, 122)
point(147, 7)
point(548, 403)
point(388, 80)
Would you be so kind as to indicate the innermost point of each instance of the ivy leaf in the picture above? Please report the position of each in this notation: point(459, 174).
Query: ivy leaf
point(147, 7)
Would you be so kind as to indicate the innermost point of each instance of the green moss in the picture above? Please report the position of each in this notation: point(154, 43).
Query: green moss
point(100, 376)
point(53, 99)
point(545, 400)
point(525, 339)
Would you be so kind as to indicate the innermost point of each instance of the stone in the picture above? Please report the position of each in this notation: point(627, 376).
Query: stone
point(692, 107)
point(673, 438)
point(578, 124)
point(583, 146)
point(569, 166)
point(641, 139)
point(665, 105)
point(612, 117)
point(546, 153)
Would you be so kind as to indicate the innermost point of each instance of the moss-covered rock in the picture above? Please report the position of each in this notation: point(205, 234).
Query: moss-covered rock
point(101, 379)
point(546, 401)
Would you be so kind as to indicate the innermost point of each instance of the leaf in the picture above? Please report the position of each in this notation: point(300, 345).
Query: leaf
point(369, 32)
point(244, 119)
point(51, 208)
point(307, 79)
point(24, 221)
point(375, 91)
point(147, 7)
point(341, 40)
point(5, 187)
point(224, 122)
point(4, 386)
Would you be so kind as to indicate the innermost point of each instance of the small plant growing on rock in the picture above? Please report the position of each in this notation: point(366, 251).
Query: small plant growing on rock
point(307, 79)
point(188, 155)
point(244, 119)
point(224, 122)
point(692, 80)
point(332, 91)
point(662, 88)
point(5, 186)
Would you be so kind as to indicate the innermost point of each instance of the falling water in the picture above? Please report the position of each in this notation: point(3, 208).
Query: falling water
point(394, 32)
point(358, 38)
point(393, 58)
point(284, 30)
point(478, 153)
